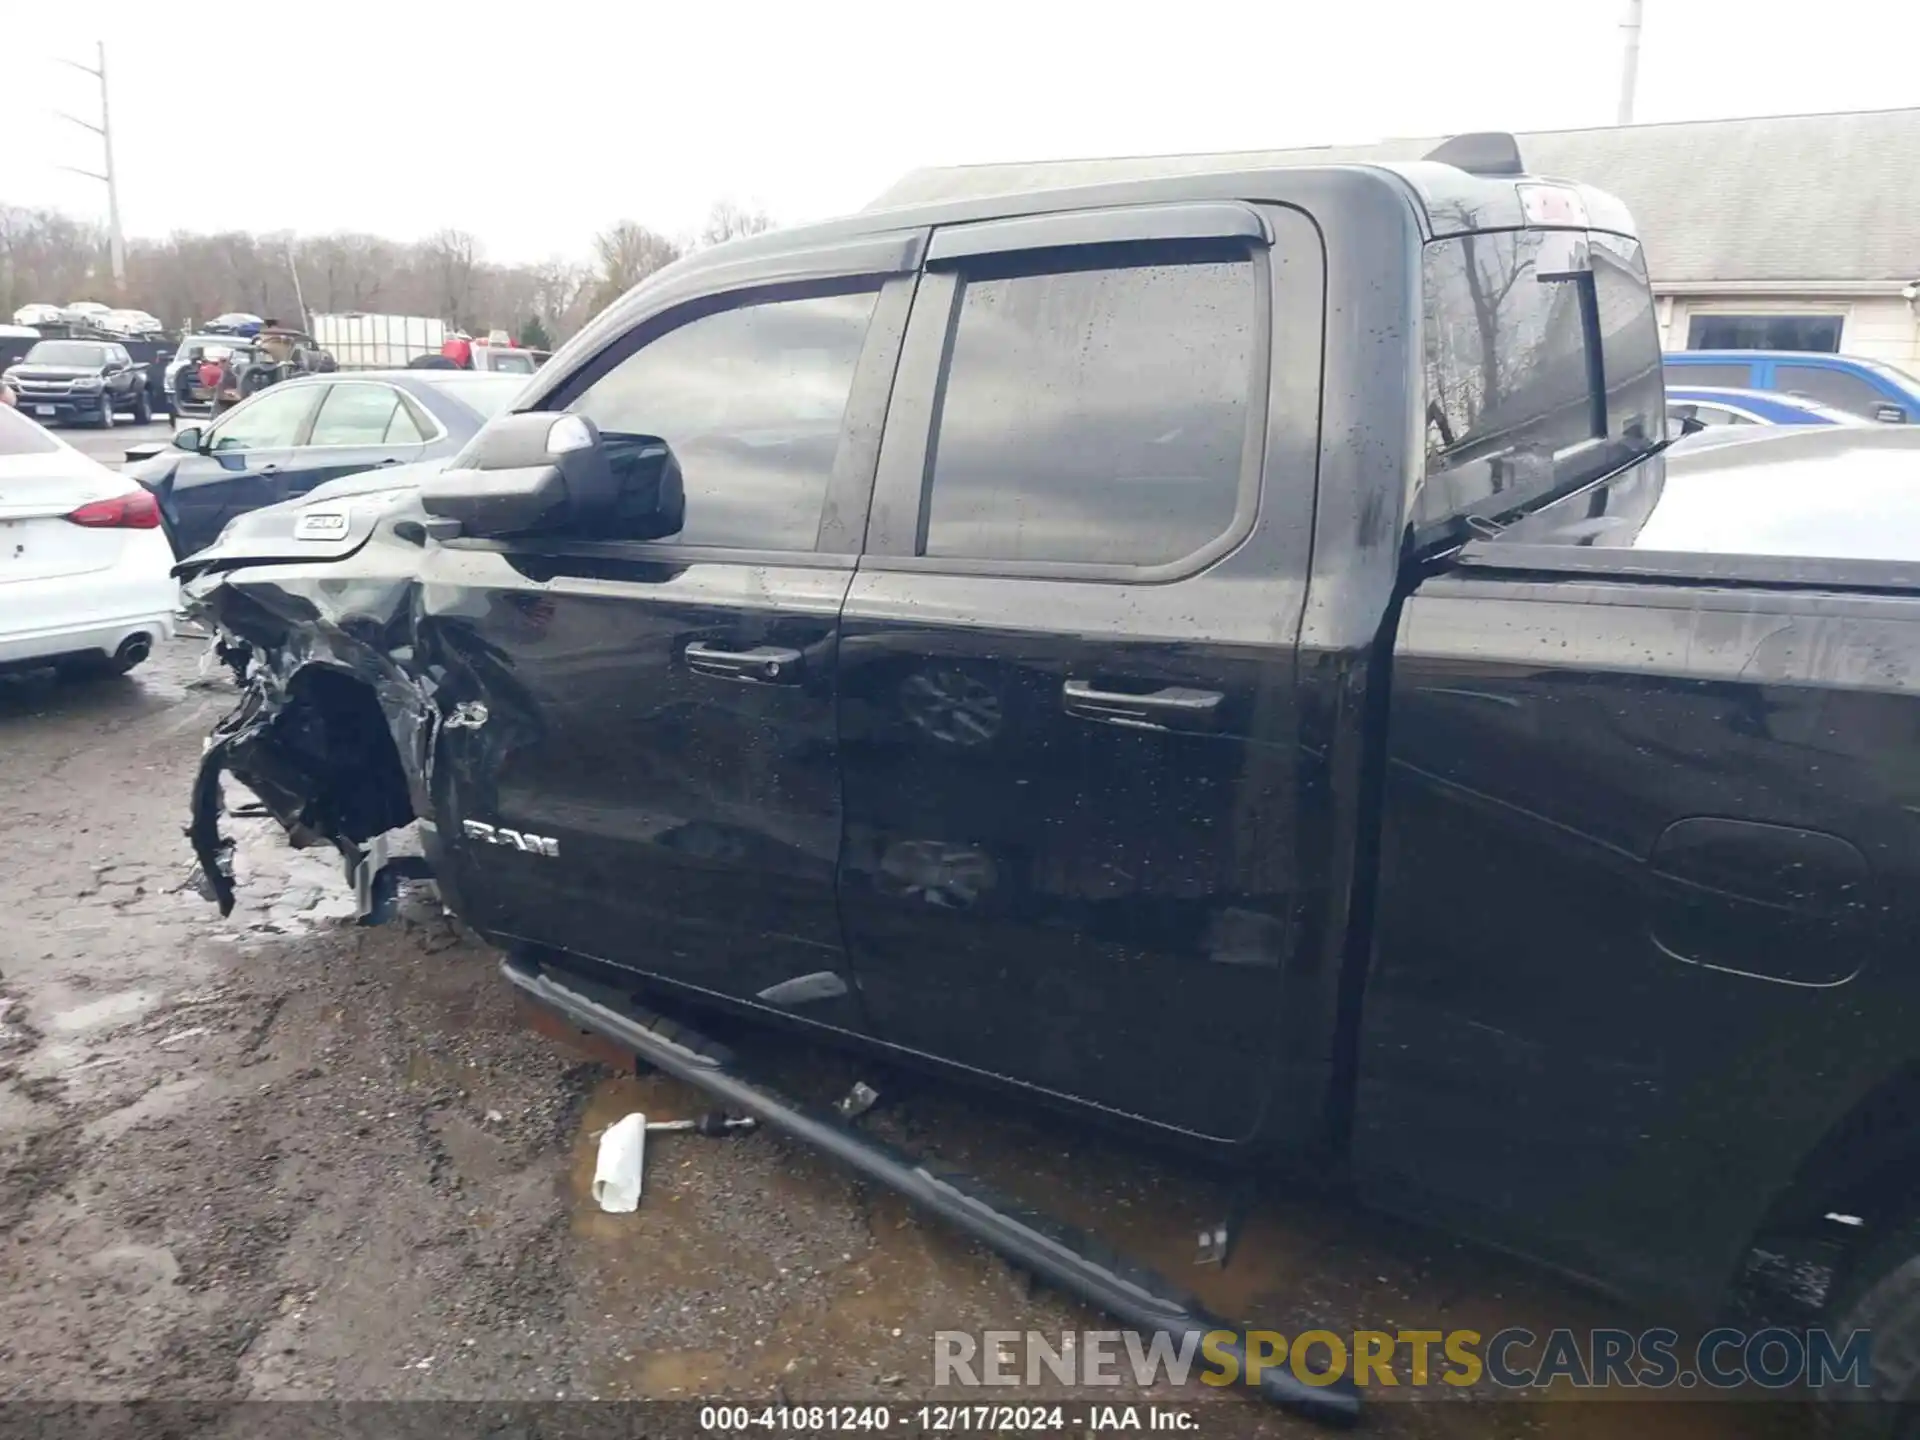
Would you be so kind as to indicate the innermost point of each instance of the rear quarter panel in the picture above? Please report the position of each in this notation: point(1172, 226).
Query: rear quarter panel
point(1648, 882)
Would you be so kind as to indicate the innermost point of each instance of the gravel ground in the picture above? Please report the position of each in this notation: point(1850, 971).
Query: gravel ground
point(281, 1156)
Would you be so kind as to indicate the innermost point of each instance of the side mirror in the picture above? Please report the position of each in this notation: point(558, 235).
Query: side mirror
point(190, 439)
point(1890, 414)
point(540, 472)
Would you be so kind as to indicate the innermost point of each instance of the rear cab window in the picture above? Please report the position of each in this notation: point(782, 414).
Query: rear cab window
point(1543, 370)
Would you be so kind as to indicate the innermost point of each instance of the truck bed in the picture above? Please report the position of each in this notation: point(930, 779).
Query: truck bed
point(1648, 845)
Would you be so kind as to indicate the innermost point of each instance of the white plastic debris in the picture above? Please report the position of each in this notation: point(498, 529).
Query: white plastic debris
point(617, 1174)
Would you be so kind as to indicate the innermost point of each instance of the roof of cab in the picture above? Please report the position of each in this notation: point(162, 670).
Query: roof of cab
point(1446, 193)
point(1449, 200)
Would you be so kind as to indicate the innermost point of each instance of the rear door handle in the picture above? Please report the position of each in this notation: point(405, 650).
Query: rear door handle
point(1175, 707)
point(762, 665)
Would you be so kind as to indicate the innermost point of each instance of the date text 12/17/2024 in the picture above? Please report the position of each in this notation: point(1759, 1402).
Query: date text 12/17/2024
point(941, 1419)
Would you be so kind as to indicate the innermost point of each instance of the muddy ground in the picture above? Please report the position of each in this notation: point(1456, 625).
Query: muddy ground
point(280, 1156)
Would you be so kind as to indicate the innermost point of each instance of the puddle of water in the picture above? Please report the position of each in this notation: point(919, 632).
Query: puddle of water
point(104, 1013)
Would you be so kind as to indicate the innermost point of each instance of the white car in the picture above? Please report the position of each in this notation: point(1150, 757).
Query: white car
point(85, 582)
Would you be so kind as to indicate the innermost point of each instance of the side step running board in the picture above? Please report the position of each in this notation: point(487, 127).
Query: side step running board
point(1065, 1258)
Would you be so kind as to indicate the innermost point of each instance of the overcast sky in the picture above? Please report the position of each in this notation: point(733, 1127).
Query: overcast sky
point(533, 125)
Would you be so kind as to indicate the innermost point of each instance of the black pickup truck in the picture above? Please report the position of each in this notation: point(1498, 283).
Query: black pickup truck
point(1226, 652)
point(81, 380)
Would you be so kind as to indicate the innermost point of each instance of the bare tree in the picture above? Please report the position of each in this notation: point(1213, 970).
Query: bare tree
point(728, 220)
point(48, 256)
point(628, 253)
point(451, 258)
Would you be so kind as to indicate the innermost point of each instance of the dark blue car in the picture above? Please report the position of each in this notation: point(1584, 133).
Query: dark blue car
point(290, 437)
point(1870, 389)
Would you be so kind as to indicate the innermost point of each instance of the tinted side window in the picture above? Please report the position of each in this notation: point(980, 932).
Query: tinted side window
point(354, 415)
point(750, 400)
point(406, 427)
point(1713, 377)
point(1831, 387)
point(270, 421)
point(1096, 414)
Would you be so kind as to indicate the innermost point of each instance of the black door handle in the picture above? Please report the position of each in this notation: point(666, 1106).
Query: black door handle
point(1175, 707)
point(762, 665)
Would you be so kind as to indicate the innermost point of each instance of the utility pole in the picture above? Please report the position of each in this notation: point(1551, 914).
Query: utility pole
point(1630, 62)
point(116, 242)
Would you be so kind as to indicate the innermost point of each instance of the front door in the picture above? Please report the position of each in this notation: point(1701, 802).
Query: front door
point(659, 712)
point(1068, 715)
point(244, 452)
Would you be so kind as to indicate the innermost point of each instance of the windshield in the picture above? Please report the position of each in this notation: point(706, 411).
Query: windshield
point(67, 352)
point(485, 395)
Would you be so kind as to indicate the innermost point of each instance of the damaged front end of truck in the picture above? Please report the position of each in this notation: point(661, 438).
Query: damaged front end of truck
point(312, 607)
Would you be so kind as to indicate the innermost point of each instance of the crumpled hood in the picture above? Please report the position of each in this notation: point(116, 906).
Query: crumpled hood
point(330, 522)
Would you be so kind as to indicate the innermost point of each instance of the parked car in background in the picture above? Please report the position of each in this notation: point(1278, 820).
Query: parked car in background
point(85, 380)
point(306, 431)
point(130, 322)
point(85, 581)
point(15, 342)
point(503, 359)
point(185, 394)
point(1871, 389)
point(235, 322)
point(1694, 408)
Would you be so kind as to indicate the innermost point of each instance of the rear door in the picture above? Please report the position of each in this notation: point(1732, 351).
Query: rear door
point(239, 470)
point(659, 713)
point(360, 425)
point(1068, 719)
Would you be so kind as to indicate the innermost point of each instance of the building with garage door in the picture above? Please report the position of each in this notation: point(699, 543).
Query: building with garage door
point(1790, 232)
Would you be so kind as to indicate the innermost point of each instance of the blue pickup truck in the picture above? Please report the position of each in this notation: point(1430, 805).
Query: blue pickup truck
point(1868, 388)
